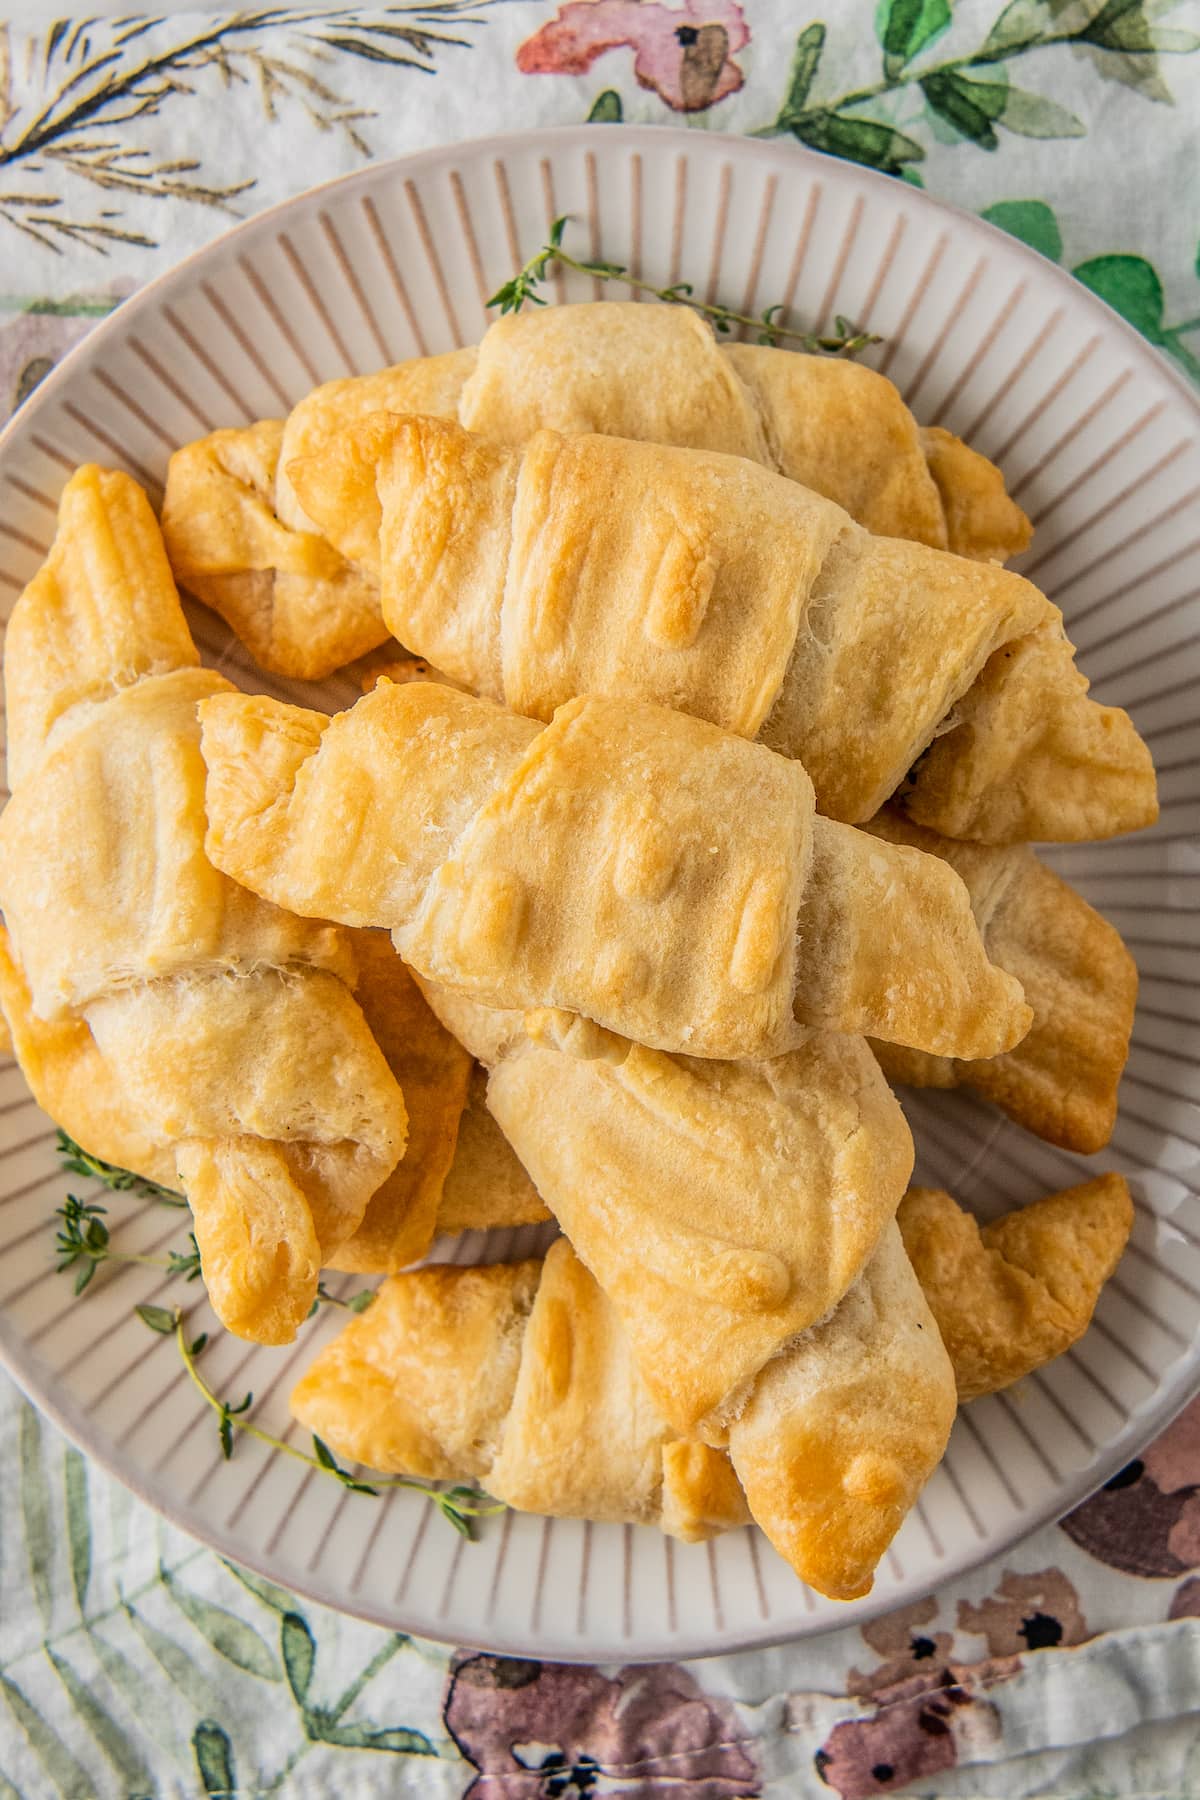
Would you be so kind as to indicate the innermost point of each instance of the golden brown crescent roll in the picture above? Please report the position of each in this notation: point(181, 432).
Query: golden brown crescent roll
point(593, 564)
point(229, 1027)
point(1061, 1080)
point(519, 1375)
point(443, 1182)
point(240, 540)
point(1011, 1295)
point(522, 1376)
point(723, 1207)
point(433, 1070)
point(71, 1081)
point(840, 1433)
point(633, 864)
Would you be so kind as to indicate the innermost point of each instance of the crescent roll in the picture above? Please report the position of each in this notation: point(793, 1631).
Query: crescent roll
point(229, 1027)
point(240, 540)
point(1008, 1296)
point(1061, 1080)
point(723, 1207)
point(635, 865)
point(521, 1375)
point(1011, 1295)
point(593, 564)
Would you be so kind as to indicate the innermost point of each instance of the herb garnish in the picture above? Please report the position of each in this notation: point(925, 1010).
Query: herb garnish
point(513, 295)
point(81, 1162)
point(83, 1240)
point(459, 1505)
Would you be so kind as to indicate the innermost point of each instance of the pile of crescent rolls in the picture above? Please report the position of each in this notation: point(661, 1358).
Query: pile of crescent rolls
point(688, 804)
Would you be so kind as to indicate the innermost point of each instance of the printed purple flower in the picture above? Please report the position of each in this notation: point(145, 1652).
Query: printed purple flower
point(1146, 1520)
point(551, 1731)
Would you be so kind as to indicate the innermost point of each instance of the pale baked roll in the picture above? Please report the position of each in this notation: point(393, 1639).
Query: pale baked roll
point(228, 1026)
point(617, 367)
point(632, 864)
point(723, 1207)
point(1011, 1295)
point(704, 582)
point(241, 541)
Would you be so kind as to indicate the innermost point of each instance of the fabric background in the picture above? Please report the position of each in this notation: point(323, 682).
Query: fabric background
point(133, 1662)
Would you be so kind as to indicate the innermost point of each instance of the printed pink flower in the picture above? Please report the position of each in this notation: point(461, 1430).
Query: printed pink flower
point(922, 1726)
point(683, 54)
point(549, 1731)
point(1173, 1459)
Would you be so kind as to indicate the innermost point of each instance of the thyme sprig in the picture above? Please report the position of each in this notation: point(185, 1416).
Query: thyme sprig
point(83, 1244)
point(84, 1238)
point(846, 341)
point(458, 1505)
point(79, 1161)
point(357, 1303)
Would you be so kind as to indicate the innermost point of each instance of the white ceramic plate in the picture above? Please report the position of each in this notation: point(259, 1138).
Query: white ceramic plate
point(1101, 444)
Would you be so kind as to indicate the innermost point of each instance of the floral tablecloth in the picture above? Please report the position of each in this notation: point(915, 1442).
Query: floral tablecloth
point(133, 1662)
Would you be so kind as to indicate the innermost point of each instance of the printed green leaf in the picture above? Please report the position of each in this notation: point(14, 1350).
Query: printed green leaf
point(905, 27)
point(1030, 220)
point(1131, 287)
point(275, 1597)
point(176, 1664)
point(1122, 46)
point(35, 1509)
point(117, 1746)
point(79, 1523)
point(606, 109)
point(366, 1676)
point(214, 1759)
point(398, 1738)
point(805, 60)
point(1123, 25)
point(229, 1636)
point(64, 1772)
point(1032, 115)
point(858, 140)
point(970, 106)
point(140, 1695)
point(299, 1654)
point(1025, 22)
